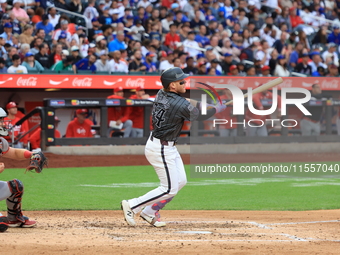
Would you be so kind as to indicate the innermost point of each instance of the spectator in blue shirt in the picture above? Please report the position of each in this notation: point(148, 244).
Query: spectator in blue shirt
point(86, 64)
point(7, 35)
point(105, 19)
point(227, 9)
point(154, 34)
point(294, 57)
point(15, 23)
point(196, 21)
point(150, 66)
point(115, 16)
point(46, 25)
point(118, 43)
point(334, 36)
point(201, 38)
point(320, 71)
point(127, 13)
point(281, 43)
point(5, 19)
point(141, 15)
point(216, 64)
point(232, 19)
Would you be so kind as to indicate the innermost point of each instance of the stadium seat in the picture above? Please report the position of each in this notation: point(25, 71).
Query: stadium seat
point(118, 73)
point(137, 73)
point(49, 72)
point(66, 72)
point(152, 73)
point(103, 73)
point(84, 72)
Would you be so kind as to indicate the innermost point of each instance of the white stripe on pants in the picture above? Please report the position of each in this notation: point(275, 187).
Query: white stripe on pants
point(170, 170)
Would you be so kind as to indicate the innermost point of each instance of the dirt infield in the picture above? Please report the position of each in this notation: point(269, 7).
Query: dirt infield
point(187, 232)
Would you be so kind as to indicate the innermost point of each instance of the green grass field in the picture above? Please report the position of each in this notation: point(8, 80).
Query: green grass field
point(102, 188)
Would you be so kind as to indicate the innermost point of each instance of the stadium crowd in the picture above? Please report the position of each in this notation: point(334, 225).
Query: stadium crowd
point(205, 37)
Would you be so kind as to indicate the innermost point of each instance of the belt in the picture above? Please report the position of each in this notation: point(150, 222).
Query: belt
point(162, 142)
point(314, 121)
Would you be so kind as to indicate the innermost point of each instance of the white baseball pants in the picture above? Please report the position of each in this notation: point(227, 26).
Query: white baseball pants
point(170, 170)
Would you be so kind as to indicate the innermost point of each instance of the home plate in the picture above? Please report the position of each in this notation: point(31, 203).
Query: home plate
point(194, 232)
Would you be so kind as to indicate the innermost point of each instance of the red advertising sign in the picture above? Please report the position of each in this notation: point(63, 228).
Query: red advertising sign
point(67, 81)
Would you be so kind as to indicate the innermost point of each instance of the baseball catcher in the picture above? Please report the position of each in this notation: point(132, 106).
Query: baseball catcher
point(13, 190)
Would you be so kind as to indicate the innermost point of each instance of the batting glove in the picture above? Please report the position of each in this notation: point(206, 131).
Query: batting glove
point(220, 107)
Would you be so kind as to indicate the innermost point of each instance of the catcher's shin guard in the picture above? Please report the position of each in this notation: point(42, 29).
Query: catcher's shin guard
point(14, 201)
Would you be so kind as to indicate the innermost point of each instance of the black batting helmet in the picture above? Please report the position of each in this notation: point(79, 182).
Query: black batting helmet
point(172, 74)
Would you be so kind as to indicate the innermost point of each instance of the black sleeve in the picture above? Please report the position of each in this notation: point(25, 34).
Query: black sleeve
point(188, 111)
point(191, 113)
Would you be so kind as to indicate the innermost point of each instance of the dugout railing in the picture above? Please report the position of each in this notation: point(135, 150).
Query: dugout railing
point(42, 124)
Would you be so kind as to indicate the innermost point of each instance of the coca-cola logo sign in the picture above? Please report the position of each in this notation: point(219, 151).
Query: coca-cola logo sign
point(287, 83)
point(134, 83)
point(236, 82)
point(52, 82)
point(82, 82)
point(330, 84)
point(9, 79)
point(27, 82)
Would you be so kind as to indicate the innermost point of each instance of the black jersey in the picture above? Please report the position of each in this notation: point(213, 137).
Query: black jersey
point(168, 115)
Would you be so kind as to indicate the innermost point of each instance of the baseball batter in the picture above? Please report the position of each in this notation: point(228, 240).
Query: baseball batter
point(169, 112)
point(12, 190)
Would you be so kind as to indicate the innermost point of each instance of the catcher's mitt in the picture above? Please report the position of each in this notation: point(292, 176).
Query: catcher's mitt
point(37, 162)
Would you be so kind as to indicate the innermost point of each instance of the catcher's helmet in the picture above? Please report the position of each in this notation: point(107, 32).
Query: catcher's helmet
point(172, 74)
point(3, 129)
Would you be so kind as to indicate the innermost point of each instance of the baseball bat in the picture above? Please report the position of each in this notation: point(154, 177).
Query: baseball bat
point(263, 87)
